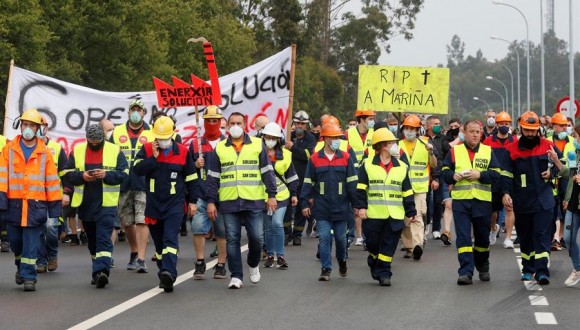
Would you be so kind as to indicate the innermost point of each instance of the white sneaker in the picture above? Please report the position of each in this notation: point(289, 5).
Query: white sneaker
point(436, 235)
point(359, 241)
point(235, 283)
point(493, 235)
point(508, 244)
point(573, 279)
point(255, 274)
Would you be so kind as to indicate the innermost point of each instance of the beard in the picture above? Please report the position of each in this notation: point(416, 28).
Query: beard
point(529, 142)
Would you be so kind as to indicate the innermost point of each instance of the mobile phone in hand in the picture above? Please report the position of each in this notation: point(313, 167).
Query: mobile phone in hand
point(92, 172)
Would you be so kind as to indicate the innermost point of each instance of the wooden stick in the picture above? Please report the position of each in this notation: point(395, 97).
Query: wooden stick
point(8, 92)
point(291, 98)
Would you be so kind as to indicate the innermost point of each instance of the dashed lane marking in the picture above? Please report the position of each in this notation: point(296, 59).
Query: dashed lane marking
point(545, 318)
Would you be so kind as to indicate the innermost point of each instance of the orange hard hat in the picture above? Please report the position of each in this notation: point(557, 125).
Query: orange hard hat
point(559, 118)
point(503, 117)
point(412, 121)
point(529, 120)
point(330, 130)
point(359, 113)
point(331, 120)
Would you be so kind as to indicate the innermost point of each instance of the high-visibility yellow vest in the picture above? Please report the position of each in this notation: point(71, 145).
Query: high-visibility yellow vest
point(569, 146)
point(384, 191)
point(110, 193)
point(343, 146)
point(121, 138)
point(55, 148)
point(418, 166)
point(465, 189)
point(357, 144)
point(240, 175)
point(281, 166)
point(3, 141)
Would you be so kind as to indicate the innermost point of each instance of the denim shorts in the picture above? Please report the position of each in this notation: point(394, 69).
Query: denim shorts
point(446, 193)
point(201, 224)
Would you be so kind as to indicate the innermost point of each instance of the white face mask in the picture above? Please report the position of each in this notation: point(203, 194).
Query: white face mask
point(394, 150)
point(569, 130)
point(236, 131)
point(223, 131)
point(164, 144)
point(271, 143)
point(108, 135)
point(410, 134)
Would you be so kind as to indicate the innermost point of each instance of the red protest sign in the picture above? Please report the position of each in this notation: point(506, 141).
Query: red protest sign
point(199, 92)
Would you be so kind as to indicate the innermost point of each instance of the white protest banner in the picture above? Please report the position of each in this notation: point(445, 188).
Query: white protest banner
point(262, 88)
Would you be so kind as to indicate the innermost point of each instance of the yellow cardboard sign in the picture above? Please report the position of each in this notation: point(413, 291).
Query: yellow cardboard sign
point(403, 89)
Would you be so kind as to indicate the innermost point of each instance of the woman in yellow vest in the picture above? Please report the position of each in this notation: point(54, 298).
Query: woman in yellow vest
point(286, 189)
point(384, 198)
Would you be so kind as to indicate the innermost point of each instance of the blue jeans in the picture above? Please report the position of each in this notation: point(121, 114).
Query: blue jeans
point(24, 243)
point(254, 223)
point(572, 237)
point(48, 248)
point(274, 232)
point(326, 230)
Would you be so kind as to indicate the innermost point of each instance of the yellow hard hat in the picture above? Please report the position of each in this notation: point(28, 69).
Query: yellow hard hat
point(383, 135)
point(212, 112)
point(32, 115)
point(163, 128)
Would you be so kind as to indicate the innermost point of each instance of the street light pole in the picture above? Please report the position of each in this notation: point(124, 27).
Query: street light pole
point(482, 100)
point(505, 89)
point(512, 77)
point(518, 74)
point(498, 93)
point(542, 63)
point(527, 43)
point(571, 65)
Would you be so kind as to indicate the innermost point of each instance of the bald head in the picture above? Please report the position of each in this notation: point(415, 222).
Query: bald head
point(107, 127)
point(261, 122)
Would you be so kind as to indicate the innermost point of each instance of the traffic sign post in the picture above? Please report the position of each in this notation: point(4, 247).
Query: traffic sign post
point(564, 107)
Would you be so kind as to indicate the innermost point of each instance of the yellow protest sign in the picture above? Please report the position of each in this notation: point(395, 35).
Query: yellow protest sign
point(403, 89)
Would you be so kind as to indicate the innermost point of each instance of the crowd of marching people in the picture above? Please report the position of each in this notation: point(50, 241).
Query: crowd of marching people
point(371, 184)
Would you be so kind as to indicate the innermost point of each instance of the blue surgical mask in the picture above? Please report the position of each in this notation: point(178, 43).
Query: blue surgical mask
point(393, 128)
point(28, 134)
point(569, 130)
point(335, 144)
point(135, 117)
point(576, 144)
point(370, 124)
point(562, 135)
point(461, 137)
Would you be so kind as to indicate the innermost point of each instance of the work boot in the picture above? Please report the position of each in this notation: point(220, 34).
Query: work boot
point(297, 241)
point(84, 238)
point(18, 279)
point(52, 265)
point(324, 275)
point(417, 252)
point(4, 247)
point(484, 276)
point(464, 280)
point(166, 281)
point(101, 280)
point(40, 269)
point(384, 281)
point(29, 285)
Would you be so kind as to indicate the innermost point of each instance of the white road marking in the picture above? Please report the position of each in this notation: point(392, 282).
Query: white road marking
point(517, 250)
point(545, 318)
point(538, 300)
point(124, 306)
point(532, 285)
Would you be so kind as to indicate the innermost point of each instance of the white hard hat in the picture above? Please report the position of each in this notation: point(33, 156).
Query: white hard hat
point(301, 117)
point(272, 129)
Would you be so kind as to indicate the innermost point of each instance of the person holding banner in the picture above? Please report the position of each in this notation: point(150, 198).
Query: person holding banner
point(239, 172)
point(97, 168)
point(201, 224)
point(329, 189)
point(421, 159)
point(48, 248)
point(170, 172)
point(130, 137)
point(29, 189)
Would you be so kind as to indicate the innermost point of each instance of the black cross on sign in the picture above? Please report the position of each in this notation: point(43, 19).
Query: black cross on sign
point(426, 73)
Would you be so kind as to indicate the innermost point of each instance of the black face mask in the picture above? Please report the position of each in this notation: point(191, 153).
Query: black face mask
point(316, 135)
point(529, 142)
point(96, 147)
point(453, 132)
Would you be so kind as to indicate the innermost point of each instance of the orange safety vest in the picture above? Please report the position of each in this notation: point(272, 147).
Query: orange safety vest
point(31, 184)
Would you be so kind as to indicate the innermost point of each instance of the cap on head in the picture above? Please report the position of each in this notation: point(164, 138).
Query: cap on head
point(301, 117)
point(32, 115)
point(529, 120)
point(163, 128)
point(95, 132)
point(272, 129)
point(137, 103)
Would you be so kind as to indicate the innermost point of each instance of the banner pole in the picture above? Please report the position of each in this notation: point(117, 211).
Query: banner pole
point(8, 92)
point(291, 96)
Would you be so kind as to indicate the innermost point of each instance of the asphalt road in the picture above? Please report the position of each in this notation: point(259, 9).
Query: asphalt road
point(423, 294)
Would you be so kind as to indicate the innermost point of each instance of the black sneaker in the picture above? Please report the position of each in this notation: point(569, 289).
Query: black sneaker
point(417, 252)
point(141, 267)
point(66, 239)
point(74, 240)
point(384, 281)
point(563, 243)
point(282, 264)
point(342, 269)
point(199, 272)
point(4, 246)
point(269, 262)
point(166, 281)
point(464, 280)
point(101, 280)
point(324, 275)
point(84, 238)
point(220, 271)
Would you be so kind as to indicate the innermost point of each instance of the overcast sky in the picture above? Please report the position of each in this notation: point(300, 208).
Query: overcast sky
point(474, 21)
